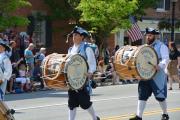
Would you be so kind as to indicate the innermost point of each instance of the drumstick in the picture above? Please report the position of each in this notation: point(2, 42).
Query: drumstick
point(151, 64)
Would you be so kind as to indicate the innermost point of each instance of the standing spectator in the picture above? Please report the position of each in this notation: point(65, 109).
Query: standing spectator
point(106, 56)
point(94, 47)
point(41, 55)
point(6, 39)
point(115, 49)
point(173, 65)
point(14, 54)
point(29, 58)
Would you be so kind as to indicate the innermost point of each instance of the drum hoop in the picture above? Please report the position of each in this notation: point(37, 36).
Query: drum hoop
point(156, 58)
point(66, 75)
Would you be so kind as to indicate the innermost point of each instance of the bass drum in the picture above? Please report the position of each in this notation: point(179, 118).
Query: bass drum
point(62, 71)
point(5, 112)
point(132, 62)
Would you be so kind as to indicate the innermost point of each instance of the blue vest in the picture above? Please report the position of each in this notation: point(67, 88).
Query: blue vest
point(157, 46)
point(160, 79)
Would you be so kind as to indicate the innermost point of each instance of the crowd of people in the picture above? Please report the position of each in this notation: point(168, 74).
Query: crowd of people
point(25, 61)
point(26, 69)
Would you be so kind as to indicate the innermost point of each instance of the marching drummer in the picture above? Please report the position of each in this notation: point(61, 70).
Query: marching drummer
point(81, 97)
point(5, 68)
point(158, 84)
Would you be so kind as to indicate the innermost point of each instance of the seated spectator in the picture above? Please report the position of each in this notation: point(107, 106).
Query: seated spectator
point(100, 74)
point(23, 78)
point(10, 84)
point(111, 73)
point(37, 74)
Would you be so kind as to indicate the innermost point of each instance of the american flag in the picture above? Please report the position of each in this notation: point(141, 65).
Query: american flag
point(134, 32)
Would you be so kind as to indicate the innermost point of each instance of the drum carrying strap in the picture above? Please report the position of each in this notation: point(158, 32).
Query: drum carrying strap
point(1, 94)
point(3, 69)
point(2, 64)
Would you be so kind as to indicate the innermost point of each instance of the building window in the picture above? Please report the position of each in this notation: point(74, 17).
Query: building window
point(39, 33)
point(163, 5)
point(177, 38)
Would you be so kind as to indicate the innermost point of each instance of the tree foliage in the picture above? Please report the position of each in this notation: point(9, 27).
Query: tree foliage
point(7, 18)
point(110, 14)
point(105, 15)
point(100, 16)
point(62, 9)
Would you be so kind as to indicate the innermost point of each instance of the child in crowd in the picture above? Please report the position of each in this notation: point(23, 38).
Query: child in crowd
point(23, 78)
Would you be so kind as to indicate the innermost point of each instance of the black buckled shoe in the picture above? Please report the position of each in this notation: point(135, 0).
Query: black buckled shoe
point(135, 118)
point(98, 118)
point(165, 117)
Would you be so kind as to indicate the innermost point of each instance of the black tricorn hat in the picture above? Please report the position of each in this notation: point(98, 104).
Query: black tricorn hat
point(5, 45)
point(151, 31)
point(80, 30)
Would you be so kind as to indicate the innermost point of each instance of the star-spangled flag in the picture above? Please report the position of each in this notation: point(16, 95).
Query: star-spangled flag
point(134, 32)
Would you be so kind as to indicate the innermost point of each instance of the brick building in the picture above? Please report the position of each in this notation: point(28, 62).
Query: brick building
point(152, 18)
point(51, 34)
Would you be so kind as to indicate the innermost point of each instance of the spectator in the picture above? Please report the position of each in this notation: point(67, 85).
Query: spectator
point(29, 58)
point(41, 55)
point(100, 73)
point(15, 73)
point(23, 78)
point(173, 65)
point(111, 73)
point(94, 47)
point(37, 73)
point(106, 56)
point(115, 49)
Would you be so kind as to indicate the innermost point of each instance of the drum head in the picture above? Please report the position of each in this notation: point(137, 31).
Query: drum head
point(145, 61)
point(76, 71)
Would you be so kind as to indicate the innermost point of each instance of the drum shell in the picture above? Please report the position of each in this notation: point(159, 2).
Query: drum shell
point(4, 114)
point(59, 81)
point(140, 63)
point(70, 71)
point(127, 71)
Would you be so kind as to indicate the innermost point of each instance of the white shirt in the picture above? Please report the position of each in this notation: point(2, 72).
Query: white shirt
point(165, 56)
point(7, 67)
point(91, 60)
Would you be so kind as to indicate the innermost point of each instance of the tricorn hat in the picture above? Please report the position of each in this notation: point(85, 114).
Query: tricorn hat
point(81, 31)
point(151, 31)
point(5, 45)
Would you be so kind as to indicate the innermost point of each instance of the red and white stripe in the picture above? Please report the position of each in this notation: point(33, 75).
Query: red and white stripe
point(135, 33)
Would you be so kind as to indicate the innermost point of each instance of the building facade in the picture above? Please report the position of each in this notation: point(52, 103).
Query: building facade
point(44, 32)
point(163, 12)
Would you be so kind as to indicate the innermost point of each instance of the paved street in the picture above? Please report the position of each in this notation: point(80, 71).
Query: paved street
point(116, 102)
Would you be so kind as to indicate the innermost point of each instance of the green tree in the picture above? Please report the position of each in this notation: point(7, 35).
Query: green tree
point(106, 16)
point(63, 9)
point(100, 16)
point(7, 16)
